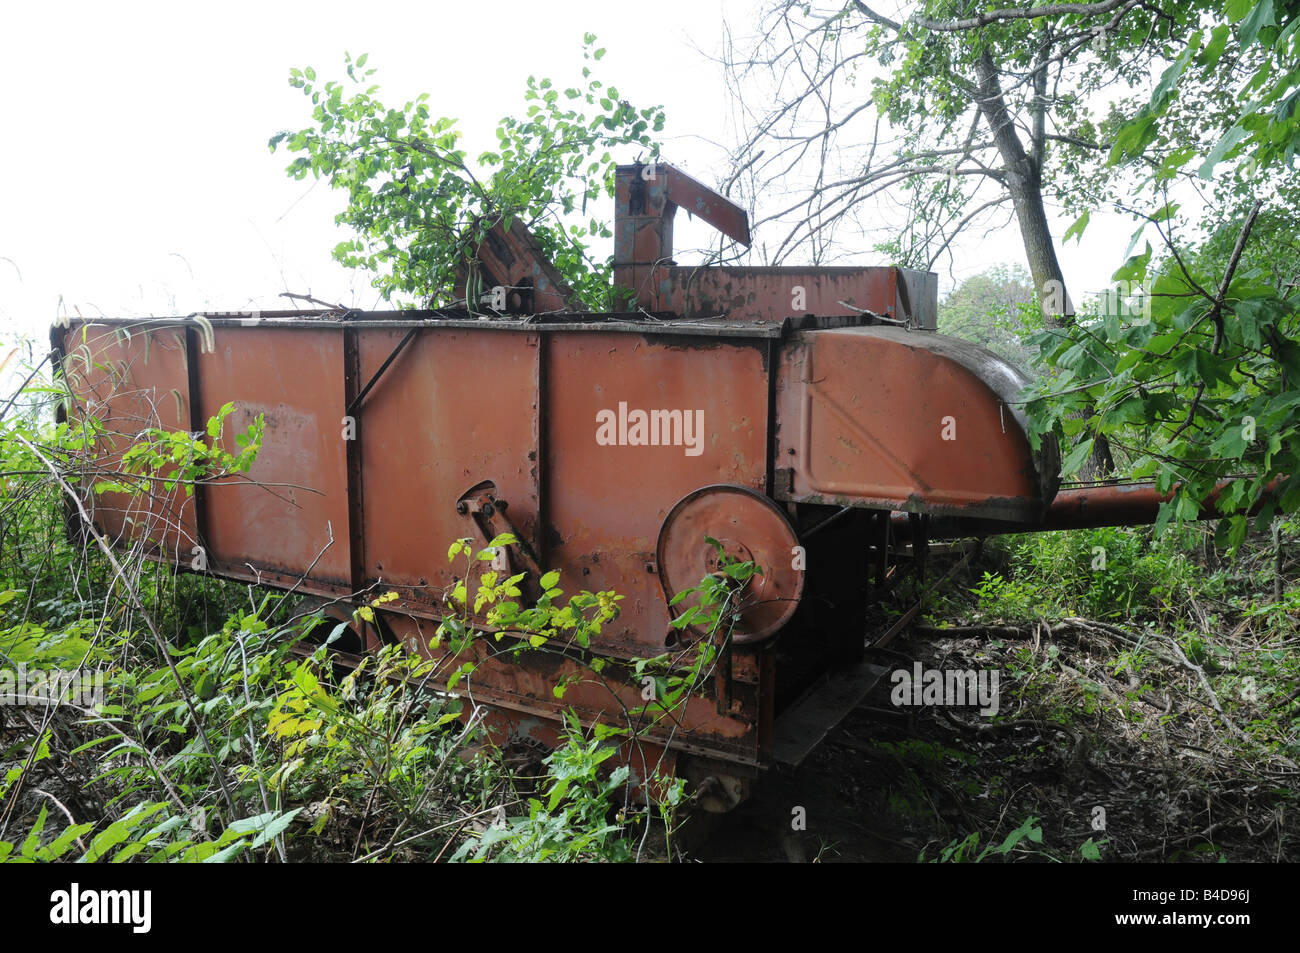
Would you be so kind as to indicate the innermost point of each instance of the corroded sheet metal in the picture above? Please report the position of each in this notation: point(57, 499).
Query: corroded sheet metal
point(882, 417)
point(131, 379)
point(527, 687)
point(513, 259)
point(455, 408)
point(770, 294)
point(646, 199)
point(590, 436)
point(295, 497)
point(590, 430)
point(606, 493)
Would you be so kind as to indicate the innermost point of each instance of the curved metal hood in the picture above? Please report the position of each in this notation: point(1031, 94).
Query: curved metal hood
point(883, 417)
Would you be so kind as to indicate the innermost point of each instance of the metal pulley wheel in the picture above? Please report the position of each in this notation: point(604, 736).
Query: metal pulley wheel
point(750, 527)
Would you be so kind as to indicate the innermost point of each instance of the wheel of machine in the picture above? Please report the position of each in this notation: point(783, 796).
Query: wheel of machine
point(749, 526)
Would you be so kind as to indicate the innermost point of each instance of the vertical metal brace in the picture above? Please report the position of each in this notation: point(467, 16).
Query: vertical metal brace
point(352, 450)
point(197, 425)
point(540, 465)
point(772, 358)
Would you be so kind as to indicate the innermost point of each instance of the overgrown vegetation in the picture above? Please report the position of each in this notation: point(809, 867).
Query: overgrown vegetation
point(214, 724)
point(1164, 732)
point(1148, 697)
point(420, 207)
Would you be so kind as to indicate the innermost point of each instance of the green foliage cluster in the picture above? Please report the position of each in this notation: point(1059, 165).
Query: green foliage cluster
point(160, 458)
point(420, 206)
point(241, 740)
point(996, 309)
point(1201, 384)
point(1106, 573)
point(1027, 839)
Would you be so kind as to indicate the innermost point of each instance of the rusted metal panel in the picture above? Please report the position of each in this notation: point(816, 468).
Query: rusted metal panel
point(770, 294)
point(607, 500)
point(296, 495)
point(513, 259)
point(646, 199)
point(592, 428)
point(697, 199)
point(457, 407)
point(502, 681)
point(886, 418)
point(131, 379)
point(917, 298)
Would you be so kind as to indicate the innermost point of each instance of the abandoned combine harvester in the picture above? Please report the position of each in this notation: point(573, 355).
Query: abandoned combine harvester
point(795, 415)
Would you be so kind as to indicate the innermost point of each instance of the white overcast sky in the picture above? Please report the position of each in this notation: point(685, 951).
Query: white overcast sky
point(135, 176)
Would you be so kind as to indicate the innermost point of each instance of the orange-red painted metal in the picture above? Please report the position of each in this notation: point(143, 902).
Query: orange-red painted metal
point(885, 418)
point(128, 379)
point(770, 294)
point(588, 434)
point(1085, 506)
point(747, 527)
point(646, 199)
point(511, 259)
point(751, 406)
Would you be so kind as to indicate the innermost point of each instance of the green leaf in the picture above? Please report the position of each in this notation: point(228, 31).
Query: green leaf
point(1221, 149)
point(1236, 9)
point(1076, 230)
point(1214, 49)
point(61, 844)
point(34, 838)
point(1135, 269)
point(227, 854)
point(1077, 457)
point(1261, 16)
point(1168, 84)
point(1165, 212)
point(269, 825)
point(113, 835)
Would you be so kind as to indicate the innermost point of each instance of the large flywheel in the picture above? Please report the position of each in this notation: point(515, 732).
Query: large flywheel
point(749, 527)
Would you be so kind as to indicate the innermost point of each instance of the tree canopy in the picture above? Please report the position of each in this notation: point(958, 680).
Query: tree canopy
point(1201, 380)
point(1182, 115)
point(419, 205)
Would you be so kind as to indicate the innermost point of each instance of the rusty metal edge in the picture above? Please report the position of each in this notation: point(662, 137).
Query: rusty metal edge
point(618, 322)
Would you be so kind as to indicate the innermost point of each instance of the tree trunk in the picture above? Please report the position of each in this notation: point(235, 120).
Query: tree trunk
point(1022, 177)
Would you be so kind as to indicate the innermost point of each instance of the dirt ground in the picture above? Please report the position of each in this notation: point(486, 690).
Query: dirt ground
point(1106, 767)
